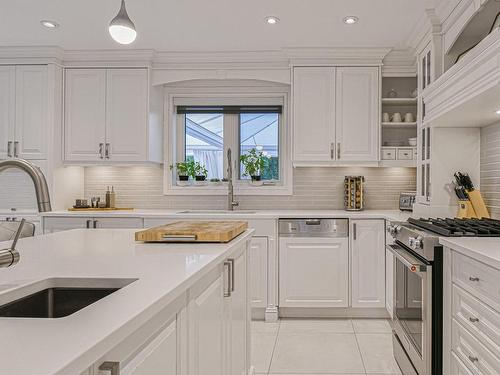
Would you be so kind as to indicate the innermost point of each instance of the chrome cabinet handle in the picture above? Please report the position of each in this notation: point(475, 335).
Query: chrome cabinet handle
point(16, 154)
point(88, 224)
point(473, 359)
point(107, 151)
point(232, 274)
point(227, 266)
point(474, 278)
point(9, 149)
point(101, 150)
point(95, 224)
point(354, 231)
point(332, 150)
point(112, 367)
point(338, 151)
point(473, 319)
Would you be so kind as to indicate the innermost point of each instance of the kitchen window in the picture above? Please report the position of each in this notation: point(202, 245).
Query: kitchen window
point(204, 130)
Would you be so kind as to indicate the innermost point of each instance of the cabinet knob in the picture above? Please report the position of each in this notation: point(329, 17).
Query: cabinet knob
point(112, 367)
point(473, 359)
point(473, 319)
point(474, 278)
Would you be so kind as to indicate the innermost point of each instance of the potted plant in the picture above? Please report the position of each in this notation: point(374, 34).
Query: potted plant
point(254, 161)
point(199, 173)
point(184, 170)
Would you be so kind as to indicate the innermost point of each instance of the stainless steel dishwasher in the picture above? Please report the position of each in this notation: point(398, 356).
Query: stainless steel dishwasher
point(313, 263)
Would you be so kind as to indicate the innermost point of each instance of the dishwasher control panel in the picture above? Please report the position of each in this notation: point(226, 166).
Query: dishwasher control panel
point(314, 227)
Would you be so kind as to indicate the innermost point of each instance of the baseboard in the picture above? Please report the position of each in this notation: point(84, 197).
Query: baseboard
point(300, 312)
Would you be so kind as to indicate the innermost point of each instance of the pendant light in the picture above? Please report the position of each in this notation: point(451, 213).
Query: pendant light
point(121, 28)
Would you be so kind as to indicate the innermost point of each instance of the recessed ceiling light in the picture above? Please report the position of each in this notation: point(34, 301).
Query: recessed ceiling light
point(350, 20)
point(497, 112)
point(49, 24)
point(271, 20)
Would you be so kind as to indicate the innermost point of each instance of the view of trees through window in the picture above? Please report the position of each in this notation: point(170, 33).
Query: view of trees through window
point(204, 141)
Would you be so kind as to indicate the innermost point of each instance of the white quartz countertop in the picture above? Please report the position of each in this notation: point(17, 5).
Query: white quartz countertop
point(486, 250)
point(246, 214)
point(68, 345)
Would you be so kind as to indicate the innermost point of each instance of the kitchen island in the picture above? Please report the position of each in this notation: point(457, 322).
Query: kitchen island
point(168, 292)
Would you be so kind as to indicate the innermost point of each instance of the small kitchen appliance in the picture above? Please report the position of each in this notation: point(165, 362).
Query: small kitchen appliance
point(418, 287)
point(354, 199)
point(406, 200)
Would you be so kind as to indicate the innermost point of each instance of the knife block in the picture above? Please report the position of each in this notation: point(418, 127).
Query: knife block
point(465, 210)
point(478, 203)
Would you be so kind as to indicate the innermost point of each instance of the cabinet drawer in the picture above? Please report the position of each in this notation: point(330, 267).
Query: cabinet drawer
point(389, 154)
point(478, 318)
point(477, 278)
point(458, 367)
point(405, 154)
point(474, 355)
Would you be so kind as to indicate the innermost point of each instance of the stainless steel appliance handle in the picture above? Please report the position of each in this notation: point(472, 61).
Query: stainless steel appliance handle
point(9, 149)
point(228, 267)
point(112, 367)
point(412, 263)
point(313, 221)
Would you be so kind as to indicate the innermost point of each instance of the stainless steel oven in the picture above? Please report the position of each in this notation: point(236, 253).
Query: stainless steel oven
point(412, 310)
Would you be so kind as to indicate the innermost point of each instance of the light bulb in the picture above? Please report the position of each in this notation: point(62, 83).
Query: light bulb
point(121, 28)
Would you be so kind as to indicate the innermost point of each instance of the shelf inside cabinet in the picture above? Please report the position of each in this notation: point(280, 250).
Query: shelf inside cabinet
point(399, 101)
point(399, 124)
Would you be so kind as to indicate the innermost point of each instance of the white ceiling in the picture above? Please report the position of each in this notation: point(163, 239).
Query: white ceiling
point(208, 25)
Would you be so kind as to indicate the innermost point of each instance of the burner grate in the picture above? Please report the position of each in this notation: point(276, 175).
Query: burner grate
point(460, 227)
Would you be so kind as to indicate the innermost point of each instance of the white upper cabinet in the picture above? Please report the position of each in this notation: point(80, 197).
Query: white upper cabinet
point(335, 115)
point(7, 109)
point(357, 113)
point(127, 114)
point(314, 114)
point(24, 112)
point(368, 263)
point(85, 114)
point(106, 116)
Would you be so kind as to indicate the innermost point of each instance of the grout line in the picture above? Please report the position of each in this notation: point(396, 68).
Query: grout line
point(359, 350)
point(274, 346)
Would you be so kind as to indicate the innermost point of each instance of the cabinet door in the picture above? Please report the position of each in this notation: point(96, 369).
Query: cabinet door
point(313, 114)
point(237, 315)
point(368, 263)
point(84, 114)
point(205, 325)
point(126, 114)
point(122, 222)
point(314, 272)
point(31, 112)
point(258, 270)
point(158, 357)
point(357, 113)
point(59, 224)
point(7, 108)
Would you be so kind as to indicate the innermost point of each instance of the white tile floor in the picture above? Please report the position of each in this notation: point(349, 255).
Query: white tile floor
point(314, 347)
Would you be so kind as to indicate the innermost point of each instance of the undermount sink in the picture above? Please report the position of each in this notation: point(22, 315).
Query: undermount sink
point(58, 298)
point(217, 212)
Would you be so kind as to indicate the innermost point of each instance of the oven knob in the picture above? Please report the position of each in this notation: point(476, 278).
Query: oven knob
point(415, 243)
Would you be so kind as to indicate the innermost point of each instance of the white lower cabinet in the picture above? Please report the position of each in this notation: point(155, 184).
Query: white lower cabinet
point(258, 271)
point(368, 263)
point(314, 272)
point(58, 224)
point(204, 332)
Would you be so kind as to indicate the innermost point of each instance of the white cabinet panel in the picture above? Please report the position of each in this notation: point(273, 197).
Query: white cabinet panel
point(205, 325)
point(58, 224)
point(7, 108)
point(31, 112)
point(122, 222)
point(357, 113)
point(389, 282)
point(314, 272)
point(85, 114)
point(158, 357)
point(126, 114)
point(368, 263)
point(313, 114)
point(258, 271)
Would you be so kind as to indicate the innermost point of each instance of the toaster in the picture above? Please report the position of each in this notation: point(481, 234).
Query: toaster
point(406, 200)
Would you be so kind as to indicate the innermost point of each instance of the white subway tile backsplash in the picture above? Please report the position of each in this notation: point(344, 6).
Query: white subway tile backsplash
point(313, 188)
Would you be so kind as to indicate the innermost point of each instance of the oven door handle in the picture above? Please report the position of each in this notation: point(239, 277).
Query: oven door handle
point(411, 262)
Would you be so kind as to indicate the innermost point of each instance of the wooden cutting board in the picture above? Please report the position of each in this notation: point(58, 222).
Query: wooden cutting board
point(193, 231)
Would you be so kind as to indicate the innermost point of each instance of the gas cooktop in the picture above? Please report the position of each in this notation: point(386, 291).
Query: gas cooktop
point(459, 227)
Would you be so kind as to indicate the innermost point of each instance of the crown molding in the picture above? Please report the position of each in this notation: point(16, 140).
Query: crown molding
point(427, 24)
point(31, 55)
point(400, 63)
point(336, 55)
point(109, 58)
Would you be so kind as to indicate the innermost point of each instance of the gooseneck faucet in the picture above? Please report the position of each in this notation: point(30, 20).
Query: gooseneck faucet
point(231, 203)
point(41, 188)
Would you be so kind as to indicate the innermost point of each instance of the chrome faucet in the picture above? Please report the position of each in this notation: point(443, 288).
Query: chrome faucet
point(231, 203)
point(41, 188)
point(10, 256)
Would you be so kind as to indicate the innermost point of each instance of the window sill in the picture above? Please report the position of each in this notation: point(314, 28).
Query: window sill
point(239, 189)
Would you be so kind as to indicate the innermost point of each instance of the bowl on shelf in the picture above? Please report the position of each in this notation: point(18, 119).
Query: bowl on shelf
point(412, 141)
